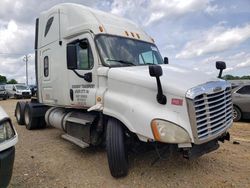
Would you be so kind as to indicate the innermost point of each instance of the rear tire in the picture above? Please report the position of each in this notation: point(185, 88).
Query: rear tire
point(236, 114)
point(30, 121)
point(116, 149)
point(19, 112)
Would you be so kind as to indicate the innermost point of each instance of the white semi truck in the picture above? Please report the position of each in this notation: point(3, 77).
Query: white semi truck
point(102, 80)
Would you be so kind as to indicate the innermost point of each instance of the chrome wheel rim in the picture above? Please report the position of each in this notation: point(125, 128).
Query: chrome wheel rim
point(18, 113)
point(26, 117)
point(234, 114)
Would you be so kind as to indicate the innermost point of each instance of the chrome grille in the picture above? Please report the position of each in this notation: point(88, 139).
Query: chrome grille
point(210, 112)
point(213, 112)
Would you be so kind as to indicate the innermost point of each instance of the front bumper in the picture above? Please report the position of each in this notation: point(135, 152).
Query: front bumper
point(198, 150)
point(6, 165)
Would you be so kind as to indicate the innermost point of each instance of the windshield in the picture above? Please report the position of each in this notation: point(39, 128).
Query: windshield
point(2, 87)
point(121, 51)
point(20, 87)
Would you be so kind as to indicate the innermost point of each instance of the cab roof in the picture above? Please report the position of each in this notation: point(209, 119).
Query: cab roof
point(76, 19)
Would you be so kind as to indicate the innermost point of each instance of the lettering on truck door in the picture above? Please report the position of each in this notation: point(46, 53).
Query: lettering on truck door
point(83, 79)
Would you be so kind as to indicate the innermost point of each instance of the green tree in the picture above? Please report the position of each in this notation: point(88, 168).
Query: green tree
point(228, 77)
point(3, 79)
point(245, 77)
point(231, 77)
point(12, 81)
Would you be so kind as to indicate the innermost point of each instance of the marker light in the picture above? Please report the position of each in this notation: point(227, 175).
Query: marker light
point(177, 102)
point(101, 28)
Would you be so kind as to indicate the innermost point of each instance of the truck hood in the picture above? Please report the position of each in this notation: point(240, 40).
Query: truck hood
point(175, 79)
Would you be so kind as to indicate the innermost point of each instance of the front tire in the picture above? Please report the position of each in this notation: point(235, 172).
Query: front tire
point(236, 114)
point(116, 149)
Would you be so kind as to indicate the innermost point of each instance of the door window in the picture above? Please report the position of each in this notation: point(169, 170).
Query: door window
point(244, 90)
point(84, 55)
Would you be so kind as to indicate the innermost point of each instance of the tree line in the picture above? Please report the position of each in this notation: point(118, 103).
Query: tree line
point(3, 80)
point(231, 77)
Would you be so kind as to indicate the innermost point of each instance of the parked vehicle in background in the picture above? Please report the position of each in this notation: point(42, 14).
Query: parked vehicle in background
point(8, 139)
point(33, 89)
point(3, 93)
point(241, 102)
point(18, 91)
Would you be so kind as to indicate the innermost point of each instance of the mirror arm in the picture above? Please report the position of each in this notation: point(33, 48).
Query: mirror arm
point(161, 98)
point(220, 73)
point(87, 76)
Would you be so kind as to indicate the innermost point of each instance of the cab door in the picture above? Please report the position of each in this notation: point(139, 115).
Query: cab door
point(82, 63)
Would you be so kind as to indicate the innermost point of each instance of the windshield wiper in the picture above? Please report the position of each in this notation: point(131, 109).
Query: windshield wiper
point(122, 61)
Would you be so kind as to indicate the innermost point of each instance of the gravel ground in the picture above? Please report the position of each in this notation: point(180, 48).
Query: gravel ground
point(43, 159)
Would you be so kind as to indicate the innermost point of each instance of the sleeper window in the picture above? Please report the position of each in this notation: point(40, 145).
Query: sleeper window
point(48, 25)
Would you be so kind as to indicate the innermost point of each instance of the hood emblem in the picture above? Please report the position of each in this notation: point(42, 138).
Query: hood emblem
point(217, 89)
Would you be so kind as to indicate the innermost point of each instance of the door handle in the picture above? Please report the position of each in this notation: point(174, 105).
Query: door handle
point(71, 94)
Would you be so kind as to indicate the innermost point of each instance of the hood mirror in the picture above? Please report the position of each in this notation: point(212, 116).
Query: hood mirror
point(165, 60)
point(220, 65)
point(156, 71)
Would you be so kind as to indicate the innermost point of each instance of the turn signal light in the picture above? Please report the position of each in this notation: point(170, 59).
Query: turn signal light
point(101, 28)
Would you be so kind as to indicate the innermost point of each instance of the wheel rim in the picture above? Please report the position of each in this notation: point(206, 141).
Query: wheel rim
point(235, 114)
point(26, 117)
point(18, 113)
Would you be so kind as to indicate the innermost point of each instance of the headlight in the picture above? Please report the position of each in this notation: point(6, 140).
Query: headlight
point(6, 131)
point(168, 132)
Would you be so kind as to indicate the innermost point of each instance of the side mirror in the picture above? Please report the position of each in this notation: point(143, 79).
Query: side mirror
point(165, 60)
point(220, 65)
point(156, 71)
point(84, 44)
point(71, 57)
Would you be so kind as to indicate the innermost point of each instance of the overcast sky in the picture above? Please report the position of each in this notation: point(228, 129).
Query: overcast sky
point(193, 33)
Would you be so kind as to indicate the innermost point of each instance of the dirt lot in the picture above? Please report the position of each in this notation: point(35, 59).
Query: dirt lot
point(43, 159)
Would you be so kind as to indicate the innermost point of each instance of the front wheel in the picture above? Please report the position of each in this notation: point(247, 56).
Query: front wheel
point(236, 114)
point(116, 149)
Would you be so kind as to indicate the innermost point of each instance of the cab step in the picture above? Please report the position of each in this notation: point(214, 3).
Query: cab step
point(81, 118)
point(75, 141)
